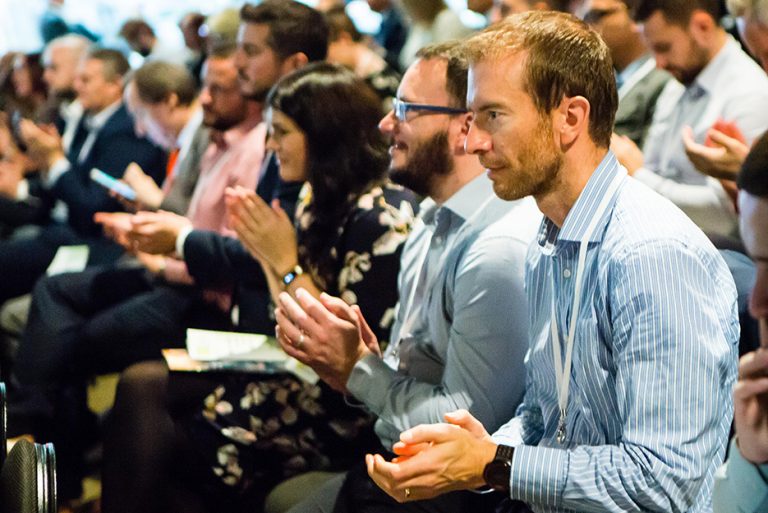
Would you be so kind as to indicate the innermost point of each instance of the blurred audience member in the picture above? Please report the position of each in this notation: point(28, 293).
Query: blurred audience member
point(61, 59)
point(724, 158)
point(162, 98)
point(717, 82)
point(29, 87)
point(104, 139)
point(638, 80)
point(480, 6)
point(190, 28)
point(7, 92)
point(28, 203)
point(431, 22)
point(393, 30)
point(53, 24)
point(347, 47)
point(220, 29)
point(142, 39)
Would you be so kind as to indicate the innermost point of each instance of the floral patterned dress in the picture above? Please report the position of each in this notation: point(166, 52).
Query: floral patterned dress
point(257, 430)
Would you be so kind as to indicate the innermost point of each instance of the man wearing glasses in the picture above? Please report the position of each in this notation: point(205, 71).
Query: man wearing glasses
point(460, 331)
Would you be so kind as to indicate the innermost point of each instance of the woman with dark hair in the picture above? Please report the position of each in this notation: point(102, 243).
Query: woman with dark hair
point(28, 85)
point(252, 431)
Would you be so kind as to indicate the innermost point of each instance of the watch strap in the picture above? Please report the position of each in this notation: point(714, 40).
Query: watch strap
point(291, 275)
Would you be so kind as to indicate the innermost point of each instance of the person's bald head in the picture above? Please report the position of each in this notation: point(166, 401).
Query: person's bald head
point(61, 58)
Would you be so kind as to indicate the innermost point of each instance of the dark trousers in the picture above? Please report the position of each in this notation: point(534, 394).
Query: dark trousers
point(84, 324)
point(24, 261)
point(100, 321)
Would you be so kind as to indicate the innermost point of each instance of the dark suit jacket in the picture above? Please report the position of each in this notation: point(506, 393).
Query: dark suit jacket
point(216, 261)
point(183, 187)
point(116, 145)
point(636, 108)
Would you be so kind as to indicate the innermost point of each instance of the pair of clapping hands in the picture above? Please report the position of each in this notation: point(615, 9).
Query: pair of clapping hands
point(147, 235)
point(331, 337)
point(265, 230)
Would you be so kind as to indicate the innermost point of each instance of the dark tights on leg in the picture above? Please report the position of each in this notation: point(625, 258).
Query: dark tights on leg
point(140, 446)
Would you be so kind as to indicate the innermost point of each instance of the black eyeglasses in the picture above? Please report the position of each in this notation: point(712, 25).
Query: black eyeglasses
point(402, 108)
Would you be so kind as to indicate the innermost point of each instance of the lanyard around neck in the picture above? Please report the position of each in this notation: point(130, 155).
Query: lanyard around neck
point(563, 370)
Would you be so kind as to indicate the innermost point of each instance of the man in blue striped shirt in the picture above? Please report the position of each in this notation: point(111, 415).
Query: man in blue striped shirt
point(634, 328)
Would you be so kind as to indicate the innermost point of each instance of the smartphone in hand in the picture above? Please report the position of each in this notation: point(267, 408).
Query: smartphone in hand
point(113, 184)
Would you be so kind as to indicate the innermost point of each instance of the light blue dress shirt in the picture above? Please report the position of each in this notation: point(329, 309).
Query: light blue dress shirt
point(654, 359)
point(467, 344)
point(732, 87)
point(740, 485)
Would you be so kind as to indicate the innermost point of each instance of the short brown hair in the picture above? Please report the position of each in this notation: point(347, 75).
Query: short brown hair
point(452, 52)
point(565, 58)
point(293, 27)
point(677, 12)
point(339, 21)
point(423, 10)
point(157, 80)
point(115, 64)
point(133, 28)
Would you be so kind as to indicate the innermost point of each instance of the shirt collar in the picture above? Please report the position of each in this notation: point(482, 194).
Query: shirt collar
point(630, 70)
point(187, 134)
point(712, 73)
point(98, 120)
point(231, 137)
point(463, 203)
point(578, 219)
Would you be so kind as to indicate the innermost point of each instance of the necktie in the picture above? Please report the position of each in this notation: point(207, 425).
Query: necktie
point(170, 168)
point(173, 156)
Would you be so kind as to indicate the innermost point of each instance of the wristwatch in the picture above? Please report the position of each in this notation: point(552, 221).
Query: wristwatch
point(291, 275)
point(496, 473)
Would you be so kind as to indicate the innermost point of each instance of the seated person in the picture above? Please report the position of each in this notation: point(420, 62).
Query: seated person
point(350, 227)
point(716, 81)
point(461, 326)
point(634, 329)
point(347, 47)
point(638, 80)
point(104, 319)
point(104, 139)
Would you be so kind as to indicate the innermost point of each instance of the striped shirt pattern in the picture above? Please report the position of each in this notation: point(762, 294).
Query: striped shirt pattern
point(654, 359)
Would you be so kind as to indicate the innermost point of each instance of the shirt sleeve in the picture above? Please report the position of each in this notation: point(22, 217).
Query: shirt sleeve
point(707, 204)
point(740, 485)
point(488, 339)
point(58, 168)
point(176, 272)
point(674, 338)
